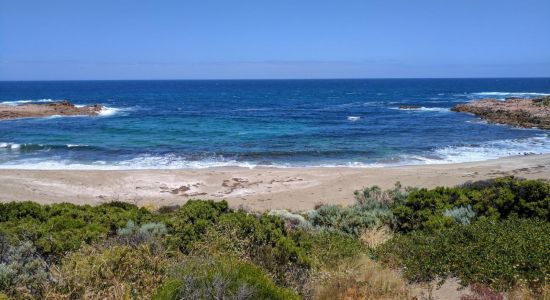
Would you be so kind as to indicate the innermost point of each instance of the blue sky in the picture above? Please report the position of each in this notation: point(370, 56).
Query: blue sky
point(203, 39)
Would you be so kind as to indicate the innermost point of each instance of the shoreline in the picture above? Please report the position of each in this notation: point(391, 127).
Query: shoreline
point(256, 189)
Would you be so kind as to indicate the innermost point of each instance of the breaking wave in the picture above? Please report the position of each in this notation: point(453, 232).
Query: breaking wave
point(484, 151)
point(425, 109)
point(17, 102)
point(443, 155)
point(510, 94)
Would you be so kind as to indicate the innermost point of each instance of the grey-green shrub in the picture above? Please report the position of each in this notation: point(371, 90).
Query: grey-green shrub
point(153, 229)
point(146, 230)
point(351, 220)
point(462, 214)
point(127, 230)
point(375, 194)
point(292, 219)
point(23, 273)
point(372, 208)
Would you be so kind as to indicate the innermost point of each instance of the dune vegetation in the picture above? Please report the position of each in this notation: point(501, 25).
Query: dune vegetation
point(492, 236)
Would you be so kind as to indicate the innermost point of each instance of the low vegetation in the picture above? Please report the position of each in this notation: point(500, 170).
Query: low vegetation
point(544, 101)
point(493, 236)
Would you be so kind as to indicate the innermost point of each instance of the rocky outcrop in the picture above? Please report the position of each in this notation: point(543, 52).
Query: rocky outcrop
point(33, 110)
point(516, 112)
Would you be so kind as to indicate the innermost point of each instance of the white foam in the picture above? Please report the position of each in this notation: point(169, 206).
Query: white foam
point(353, 119)
point(425, 109)
point(489, 150)
point(451, 154)
point(13, 146)
point(17, 102)
point(107, 111)
point(510, 94)
point(435, 109)
point(144, 162)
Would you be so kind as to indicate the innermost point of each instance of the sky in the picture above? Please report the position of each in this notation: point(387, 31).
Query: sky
point(277, 39)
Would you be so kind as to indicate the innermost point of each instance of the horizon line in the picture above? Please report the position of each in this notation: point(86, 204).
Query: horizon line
point(274, 79)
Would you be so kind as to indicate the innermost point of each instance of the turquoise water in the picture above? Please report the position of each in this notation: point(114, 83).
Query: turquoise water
point(195, 124)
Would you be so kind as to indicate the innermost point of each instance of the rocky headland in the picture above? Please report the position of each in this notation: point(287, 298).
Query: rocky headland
point(511, 111)
point(34, 110)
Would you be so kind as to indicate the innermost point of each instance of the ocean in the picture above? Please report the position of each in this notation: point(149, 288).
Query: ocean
point(179, 124)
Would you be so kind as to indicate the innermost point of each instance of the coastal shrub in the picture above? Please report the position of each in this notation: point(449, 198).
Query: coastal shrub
point(376, 236)
point(187, 224)
point(15, 211)
point(361, 278)
point(57, 228)
point(23, 272)
point(327, 248)
point(544, 101)
point(292, 220)
point(211, 227)
point(462, 214)
point(352, 219)
point(144, 232)
point(509, 196)
point(208, 278)
point(262, 240)
point(374, 194)
point(424, 209)
point(495, 199)
point(499, 254)
point(372, 209)
point(111, 271)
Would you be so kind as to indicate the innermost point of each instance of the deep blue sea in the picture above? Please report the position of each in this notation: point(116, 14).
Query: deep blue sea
point(285, 123)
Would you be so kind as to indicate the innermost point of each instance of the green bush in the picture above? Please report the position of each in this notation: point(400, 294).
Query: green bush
point(57, 228)
point(111, 271)
point(544, 101)
point(262, 240)
point(495, 199)
point(221, 279)
point(326, 248)
point(192, 220)
point(500, 254)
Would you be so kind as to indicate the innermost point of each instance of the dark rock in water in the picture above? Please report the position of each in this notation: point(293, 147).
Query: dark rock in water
point(33, 110)
point(410, 107)
point(516, 112)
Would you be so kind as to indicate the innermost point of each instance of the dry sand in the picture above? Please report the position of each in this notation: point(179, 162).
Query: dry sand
point(257, 189)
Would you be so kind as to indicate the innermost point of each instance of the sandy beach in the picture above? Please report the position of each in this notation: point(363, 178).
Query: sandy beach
point(257, 189)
